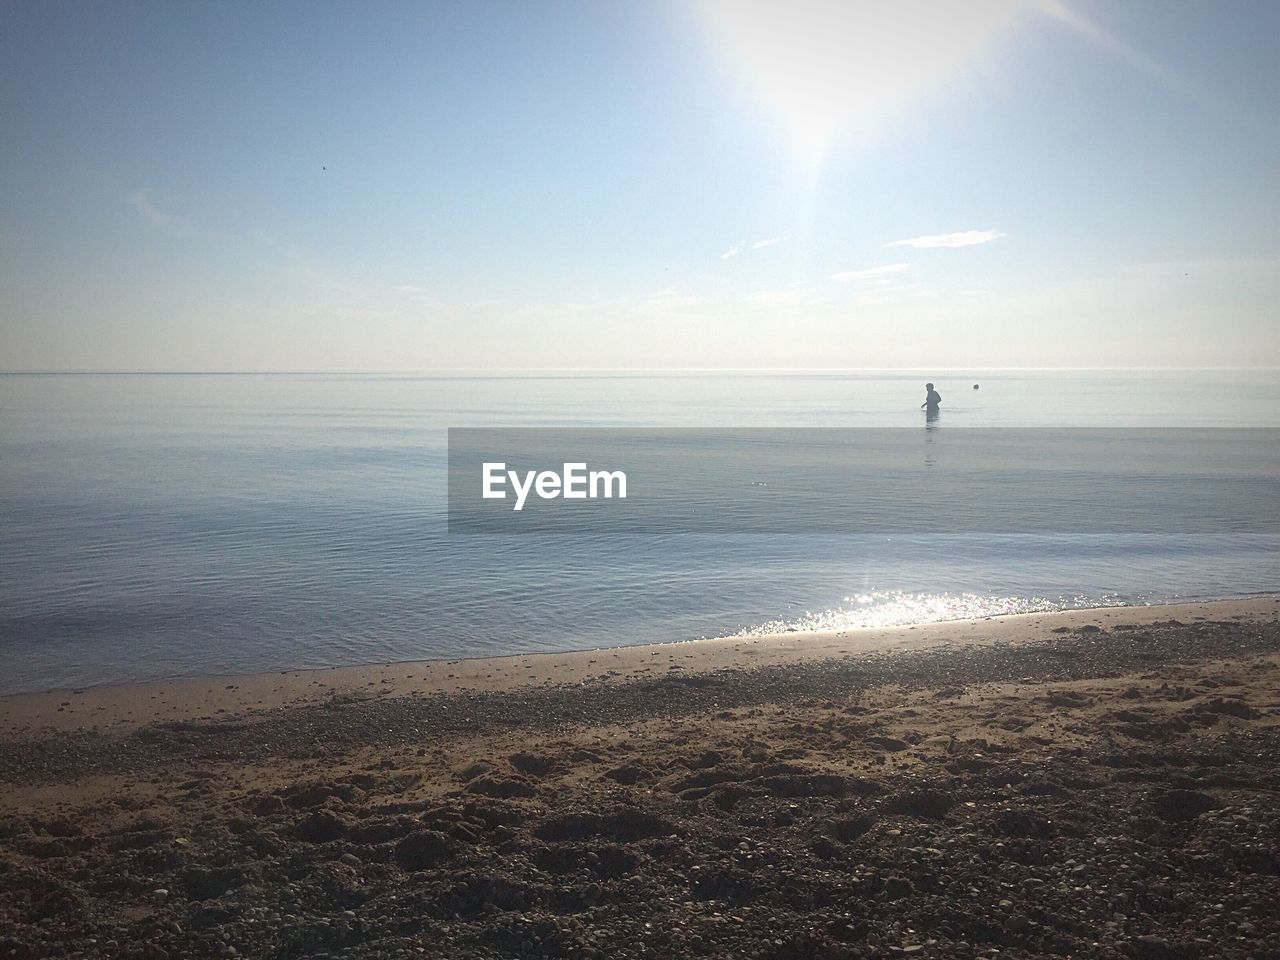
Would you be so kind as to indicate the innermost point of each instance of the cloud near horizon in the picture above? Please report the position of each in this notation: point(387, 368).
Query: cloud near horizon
point(933, 241)
point(870, 274)
point(142, 201)
point(737, 248)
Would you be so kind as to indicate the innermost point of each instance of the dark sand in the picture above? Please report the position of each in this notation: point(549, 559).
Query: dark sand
point(1093, 784)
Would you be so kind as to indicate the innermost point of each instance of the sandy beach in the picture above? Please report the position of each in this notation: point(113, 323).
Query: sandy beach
point(1096, 783)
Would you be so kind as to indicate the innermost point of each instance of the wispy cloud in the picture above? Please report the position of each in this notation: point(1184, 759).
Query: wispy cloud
point(965, 238)
point(738, 248)
point(881, 274)
point(299, 265)
point(150, 209)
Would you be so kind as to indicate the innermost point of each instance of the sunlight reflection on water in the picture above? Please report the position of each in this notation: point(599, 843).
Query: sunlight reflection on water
point(892, 608)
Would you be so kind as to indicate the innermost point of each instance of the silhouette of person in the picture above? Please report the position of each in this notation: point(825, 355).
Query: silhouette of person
point(931, 400)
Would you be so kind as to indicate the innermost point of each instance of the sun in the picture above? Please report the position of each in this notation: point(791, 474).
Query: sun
point(826, 66)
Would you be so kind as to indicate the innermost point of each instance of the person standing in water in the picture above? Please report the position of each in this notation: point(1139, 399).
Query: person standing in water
point(931, 400)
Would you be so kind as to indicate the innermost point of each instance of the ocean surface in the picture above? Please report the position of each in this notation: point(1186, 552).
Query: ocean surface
point(157, 526)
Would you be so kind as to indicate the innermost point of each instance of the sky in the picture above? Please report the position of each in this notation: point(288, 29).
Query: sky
point(716, 184)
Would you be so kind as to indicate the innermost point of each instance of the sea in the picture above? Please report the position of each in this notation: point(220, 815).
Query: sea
point(157, 526)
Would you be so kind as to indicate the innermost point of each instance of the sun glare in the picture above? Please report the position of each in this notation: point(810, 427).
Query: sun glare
point(827, 66)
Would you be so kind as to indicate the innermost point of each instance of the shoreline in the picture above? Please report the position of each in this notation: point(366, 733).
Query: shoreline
point(119, 708)
point(124, 707)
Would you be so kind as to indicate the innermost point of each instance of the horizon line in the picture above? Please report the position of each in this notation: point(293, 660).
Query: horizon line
point(591, 370)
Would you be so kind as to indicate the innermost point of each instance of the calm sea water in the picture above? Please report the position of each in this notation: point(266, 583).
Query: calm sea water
point(156, 526)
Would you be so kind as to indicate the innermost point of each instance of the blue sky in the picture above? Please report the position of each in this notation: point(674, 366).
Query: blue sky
point(419, 186)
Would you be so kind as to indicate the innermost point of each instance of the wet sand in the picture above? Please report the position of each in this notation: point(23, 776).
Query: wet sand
point(119, 708)
point(1094, 783)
